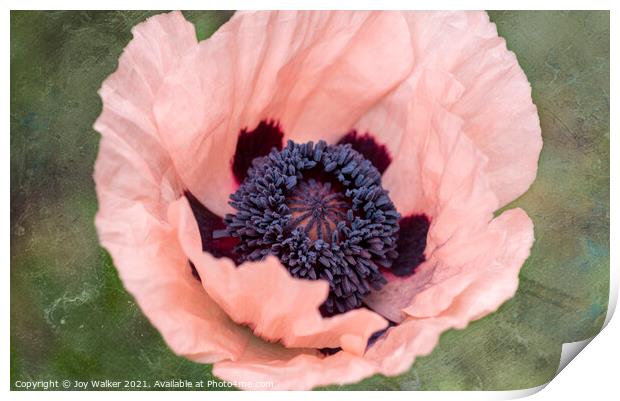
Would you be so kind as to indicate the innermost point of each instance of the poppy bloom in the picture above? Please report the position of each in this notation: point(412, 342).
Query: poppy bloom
point(308, 198)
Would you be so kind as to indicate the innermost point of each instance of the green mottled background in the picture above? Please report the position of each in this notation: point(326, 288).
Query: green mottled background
point(72, 319)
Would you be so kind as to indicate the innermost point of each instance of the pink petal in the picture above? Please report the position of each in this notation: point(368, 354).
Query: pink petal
point(477, 79)
point(444, 170)
point(397, 349)
point(439, 171)
point(302, 69)
point(132, 164)
point(454, 192)
point(496, 105)
point(267, 298)
point(398, 293)
point(134, 181)
point(451, 187)
point(419, 147)
point(303, 372)
point(494, 262)
point(333, 80)
point(484, 289)
point(154, 270)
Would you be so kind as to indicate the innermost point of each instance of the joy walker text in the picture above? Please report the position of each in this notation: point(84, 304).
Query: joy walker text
point(109, 384)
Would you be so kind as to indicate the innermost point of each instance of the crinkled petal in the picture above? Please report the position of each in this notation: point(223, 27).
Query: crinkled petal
point(314, 72)
point(443, 169)
point(492, 268)
point(267, 298)
point(397, 349)
point(484, 289)
point(132, 164)
point(398, 293)
point(135, 180)
point(439, 171)
point(477, 79)
point(451, 188)
point(496, 105)
point(155, 271)
point(454, 192)
point(303, 372)
point(424, 117)
point(389, 121)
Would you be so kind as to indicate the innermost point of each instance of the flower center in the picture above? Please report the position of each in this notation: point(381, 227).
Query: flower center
point(322, 211)
point(316, 209)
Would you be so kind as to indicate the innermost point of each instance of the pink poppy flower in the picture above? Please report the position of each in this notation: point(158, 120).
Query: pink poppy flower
point(308, 198)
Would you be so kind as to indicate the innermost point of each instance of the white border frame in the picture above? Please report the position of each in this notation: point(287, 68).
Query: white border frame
point(594, 373)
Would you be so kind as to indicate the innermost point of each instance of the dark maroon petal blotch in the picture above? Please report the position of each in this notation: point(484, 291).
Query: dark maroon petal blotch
point(411, 244)
point(252, 144)
point(373, 151)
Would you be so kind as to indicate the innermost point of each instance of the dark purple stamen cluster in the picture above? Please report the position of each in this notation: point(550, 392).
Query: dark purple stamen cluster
point(321, 209)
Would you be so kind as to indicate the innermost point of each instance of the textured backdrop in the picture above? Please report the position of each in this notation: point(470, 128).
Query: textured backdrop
point(72, 319)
